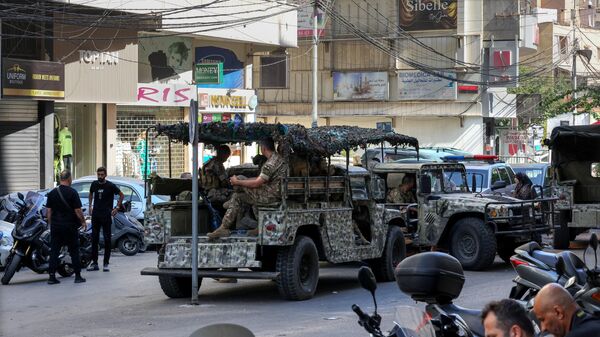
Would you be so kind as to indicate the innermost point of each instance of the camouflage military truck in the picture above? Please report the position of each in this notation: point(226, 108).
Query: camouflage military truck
point(329, 217)
point(575, 153)
point(472, 227)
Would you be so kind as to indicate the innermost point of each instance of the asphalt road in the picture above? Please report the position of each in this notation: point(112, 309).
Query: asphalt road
point(123, 303)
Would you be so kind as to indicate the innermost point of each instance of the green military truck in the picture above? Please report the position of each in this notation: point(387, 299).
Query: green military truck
point(575, 153)
point(473, 227)
point(329, 217)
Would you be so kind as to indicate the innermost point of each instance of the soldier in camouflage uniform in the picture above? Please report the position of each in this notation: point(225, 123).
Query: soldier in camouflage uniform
point(264, 189)
point(403, 194)
point(213, 176)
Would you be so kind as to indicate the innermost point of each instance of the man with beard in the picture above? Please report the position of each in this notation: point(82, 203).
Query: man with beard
point(102, 193)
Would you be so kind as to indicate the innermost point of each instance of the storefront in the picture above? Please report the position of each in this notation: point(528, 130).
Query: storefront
point(28, 90)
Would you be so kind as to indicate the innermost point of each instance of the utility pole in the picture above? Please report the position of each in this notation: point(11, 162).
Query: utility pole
point(574, 65)
point(315, 70)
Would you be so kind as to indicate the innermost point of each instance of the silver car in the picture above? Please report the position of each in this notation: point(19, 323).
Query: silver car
point(133, 189)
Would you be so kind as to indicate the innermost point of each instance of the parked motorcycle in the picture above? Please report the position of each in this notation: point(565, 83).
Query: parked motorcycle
point(436, 279)
point(127, 232)
point(535, 268)
point(31, 236)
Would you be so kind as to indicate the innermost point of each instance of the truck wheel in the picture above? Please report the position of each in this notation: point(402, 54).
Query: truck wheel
point(473, 243)
point(128, 245)
point(394, 252)
point(506, 248)
point(12, 263)
point(177, 287)
point(298, 268)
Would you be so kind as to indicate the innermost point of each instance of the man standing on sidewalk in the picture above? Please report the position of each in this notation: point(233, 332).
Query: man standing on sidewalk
point(64, 217)
point(102, 194)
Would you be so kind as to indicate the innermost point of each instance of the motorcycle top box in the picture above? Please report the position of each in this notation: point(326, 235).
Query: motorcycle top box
point(431, 277)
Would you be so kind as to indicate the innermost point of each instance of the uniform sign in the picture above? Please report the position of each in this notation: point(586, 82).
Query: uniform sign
point(35, 79)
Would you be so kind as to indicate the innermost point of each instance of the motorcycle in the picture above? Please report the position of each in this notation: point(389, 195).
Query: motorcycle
point(436, 279)
point(535, 268)
point(127, 232)
point(31, 236)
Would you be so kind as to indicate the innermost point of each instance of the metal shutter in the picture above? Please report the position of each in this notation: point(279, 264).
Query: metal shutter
point(19, 146)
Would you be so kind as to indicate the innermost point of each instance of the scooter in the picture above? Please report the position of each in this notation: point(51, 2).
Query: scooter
point(31, 236)
point(436, 279)
point(535, 268)
point(127, 232)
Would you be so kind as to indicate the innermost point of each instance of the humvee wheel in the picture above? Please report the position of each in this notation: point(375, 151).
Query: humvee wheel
point(177, 287)
point(393, 253)
point(473, 243)
point(298, 268)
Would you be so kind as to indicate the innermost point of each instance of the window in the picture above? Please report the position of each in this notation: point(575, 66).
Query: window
point(563, 42)
point(495, 176)
point(129, 193)
point(83, 189)
point(481, 179)
point(504, 176)
point(359, 188)
point(274, 71)
point(511, 174)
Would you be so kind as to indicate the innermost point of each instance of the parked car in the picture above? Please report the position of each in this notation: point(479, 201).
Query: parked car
point(133, 189)
point(538, 173)
point(491, 177)
point(425, 153)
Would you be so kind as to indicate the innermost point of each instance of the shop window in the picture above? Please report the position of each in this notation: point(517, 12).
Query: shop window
point(274, 71)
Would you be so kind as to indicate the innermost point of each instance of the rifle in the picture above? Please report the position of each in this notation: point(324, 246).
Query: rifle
point(215, 217)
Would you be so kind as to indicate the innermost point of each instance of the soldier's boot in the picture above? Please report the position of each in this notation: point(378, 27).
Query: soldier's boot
point(222, 231)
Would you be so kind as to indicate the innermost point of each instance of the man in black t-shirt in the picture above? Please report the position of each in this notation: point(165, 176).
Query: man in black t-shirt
point(102, 194)
point(64, 217)
point(559, 315)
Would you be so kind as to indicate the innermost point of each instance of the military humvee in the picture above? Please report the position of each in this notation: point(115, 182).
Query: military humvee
point(319, 218)
point(575, 152)
point(472, 227)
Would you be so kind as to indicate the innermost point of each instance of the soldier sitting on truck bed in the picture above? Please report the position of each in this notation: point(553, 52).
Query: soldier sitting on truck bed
point(264, 189)
point(213, 176)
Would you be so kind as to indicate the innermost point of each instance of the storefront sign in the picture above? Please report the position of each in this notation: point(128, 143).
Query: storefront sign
point(233, 72)
point(208, 73)
point(97, 57)
point(360, 86)
point(165, 59)
point(513, 142)
point(226, 100)
point(36, 79)
point(428, 14)
point(165, 94)
point(419, 85)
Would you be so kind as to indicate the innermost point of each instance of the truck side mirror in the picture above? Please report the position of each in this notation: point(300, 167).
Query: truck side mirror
point(425, 184)
point(474, 183)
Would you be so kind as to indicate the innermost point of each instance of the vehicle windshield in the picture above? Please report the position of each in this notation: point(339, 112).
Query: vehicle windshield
point(34, 201)
point(481, 179)
point(413, 322)
point(447, 180)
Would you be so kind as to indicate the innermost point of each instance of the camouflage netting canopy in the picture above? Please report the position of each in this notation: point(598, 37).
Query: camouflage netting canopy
point(329, 140)
point(322, 141)
point(220, 133)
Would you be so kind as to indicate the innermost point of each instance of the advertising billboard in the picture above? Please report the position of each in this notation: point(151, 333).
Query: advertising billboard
point(35, 79)
point(419, 85)
point(360, 86)
point(427, 14)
